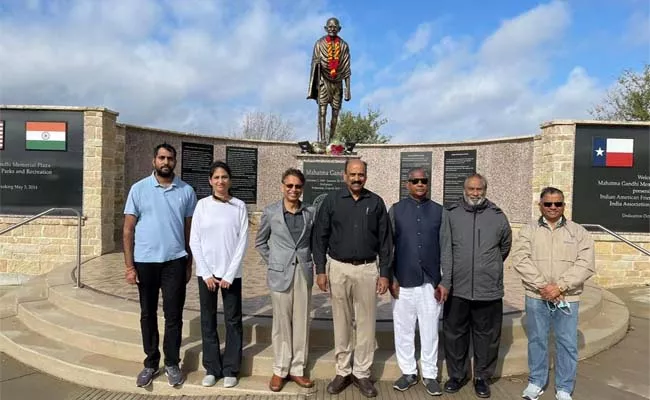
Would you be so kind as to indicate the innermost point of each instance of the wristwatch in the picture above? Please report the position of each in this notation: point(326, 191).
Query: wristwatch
point(563, 288)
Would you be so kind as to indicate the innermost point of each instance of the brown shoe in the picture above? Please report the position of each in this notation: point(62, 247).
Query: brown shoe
point(366, 387)
point(276, 384)
point(302, 381)
point(338, 384)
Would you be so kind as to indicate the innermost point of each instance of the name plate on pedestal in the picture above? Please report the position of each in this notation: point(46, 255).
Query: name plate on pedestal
point(323, 174)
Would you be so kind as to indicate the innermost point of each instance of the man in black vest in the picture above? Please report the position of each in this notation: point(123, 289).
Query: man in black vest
point(416, 224)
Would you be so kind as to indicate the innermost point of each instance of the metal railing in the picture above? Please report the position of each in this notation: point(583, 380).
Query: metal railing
point(619, 237)
point(30, 219)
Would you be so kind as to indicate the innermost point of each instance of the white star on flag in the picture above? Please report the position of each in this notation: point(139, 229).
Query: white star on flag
point(599, 152)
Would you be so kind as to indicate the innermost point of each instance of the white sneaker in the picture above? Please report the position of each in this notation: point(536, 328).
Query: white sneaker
point(532, 392)
point(230, 381)
point(563, 396)
point(209, 380)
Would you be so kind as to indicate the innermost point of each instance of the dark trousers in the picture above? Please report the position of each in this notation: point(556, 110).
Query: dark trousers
point(483, 319)
point(170, 277)
point(213, 362)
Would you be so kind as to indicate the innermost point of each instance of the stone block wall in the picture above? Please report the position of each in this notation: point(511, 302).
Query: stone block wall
point(39, 246)
point(619, 264)
point(553, 162)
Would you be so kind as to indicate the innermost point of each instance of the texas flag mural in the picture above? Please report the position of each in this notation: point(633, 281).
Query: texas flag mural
point(45, 136)
point(612, 152)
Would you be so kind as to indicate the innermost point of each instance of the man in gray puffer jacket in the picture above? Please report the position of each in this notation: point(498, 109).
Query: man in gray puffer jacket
point(475, 239)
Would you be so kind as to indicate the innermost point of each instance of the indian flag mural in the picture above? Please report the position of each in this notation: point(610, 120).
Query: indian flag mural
point(45, 136)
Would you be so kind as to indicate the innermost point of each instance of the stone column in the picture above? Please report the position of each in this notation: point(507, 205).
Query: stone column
point(553, 162)
point(101, 149)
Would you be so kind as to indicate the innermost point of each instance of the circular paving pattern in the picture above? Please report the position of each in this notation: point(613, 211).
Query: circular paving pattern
point(106, 274)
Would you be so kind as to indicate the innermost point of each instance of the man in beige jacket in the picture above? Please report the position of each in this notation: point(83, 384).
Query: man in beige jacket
point(554, 257)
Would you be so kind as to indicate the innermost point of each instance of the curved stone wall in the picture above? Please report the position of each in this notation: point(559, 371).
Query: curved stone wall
point(506, 163)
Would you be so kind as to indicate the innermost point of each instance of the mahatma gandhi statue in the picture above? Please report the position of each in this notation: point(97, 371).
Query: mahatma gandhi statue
point(330, 67)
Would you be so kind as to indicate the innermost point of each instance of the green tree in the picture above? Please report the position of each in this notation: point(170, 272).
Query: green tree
point(360, 128)
point(629, 100)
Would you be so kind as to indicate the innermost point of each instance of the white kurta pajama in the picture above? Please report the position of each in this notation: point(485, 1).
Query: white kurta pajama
point(417, 304)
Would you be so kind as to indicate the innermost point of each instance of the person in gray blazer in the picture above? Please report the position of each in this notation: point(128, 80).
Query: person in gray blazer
point(283, 240)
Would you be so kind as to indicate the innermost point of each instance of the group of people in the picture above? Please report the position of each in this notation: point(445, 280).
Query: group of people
point(432, 260)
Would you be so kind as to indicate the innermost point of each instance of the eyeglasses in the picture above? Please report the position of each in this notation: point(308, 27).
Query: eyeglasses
point(557, 204)
point(416, 181)
point(291, 186)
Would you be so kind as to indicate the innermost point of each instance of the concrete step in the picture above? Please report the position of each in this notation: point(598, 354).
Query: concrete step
point(126, 314)
point(104, 372)
point(126, 344)
point(599, 333)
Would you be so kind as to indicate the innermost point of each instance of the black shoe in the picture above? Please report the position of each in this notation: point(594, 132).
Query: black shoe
point(432, 386)
point(365, 385)
point(482, 388)
point(338, 384)
point(405, 382)
point(454, 384)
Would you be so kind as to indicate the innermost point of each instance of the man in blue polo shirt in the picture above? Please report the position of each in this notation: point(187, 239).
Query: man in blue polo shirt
point(416, 224)
point(157, 220)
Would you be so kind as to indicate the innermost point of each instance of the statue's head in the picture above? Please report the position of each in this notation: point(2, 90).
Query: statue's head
point(332, 27)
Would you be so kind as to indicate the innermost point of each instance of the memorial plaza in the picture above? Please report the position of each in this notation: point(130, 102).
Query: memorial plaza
point(77, 320)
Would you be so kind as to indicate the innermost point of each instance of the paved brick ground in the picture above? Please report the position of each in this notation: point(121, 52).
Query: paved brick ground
point(106, 274)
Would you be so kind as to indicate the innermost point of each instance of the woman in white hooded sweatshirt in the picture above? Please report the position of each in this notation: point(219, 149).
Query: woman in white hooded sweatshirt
point(218, 241)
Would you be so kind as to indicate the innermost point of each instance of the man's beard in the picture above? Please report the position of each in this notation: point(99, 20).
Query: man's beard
point(164, 174)
point(474, 202)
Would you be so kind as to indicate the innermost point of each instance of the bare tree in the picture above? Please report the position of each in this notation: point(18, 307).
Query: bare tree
point(265, 126)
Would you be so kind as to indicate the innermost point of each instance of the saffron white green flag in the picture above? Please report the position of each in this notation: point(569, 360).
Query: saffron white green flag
point(45, 136)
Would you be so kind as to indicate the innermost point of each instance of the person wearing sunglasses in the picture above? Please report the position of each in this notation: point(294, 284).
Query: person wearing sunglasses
point(416, 266)
point(284, 242)
point(554, 257)
point(475, 239)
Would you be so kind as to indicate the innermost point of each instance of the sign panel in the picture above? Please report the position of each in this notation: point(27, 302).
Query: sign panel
point(408, 161)
point(611, 177)
point(195, 169)
point(41, 161)
point(243, 164)
point(321, 178)
point(459, 164)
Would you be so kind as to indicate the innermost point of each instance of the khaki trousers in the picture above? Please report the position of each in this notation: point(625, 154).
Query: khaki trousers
point(290, 331)
point(354, 290)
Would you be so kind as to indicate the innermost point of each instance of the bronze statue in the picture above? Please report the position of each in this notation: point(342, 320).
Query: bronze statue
point(330, 67)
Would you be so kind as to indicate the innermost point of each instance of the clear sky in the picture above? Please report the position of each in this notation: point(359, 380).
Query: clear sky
point(438, 69)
